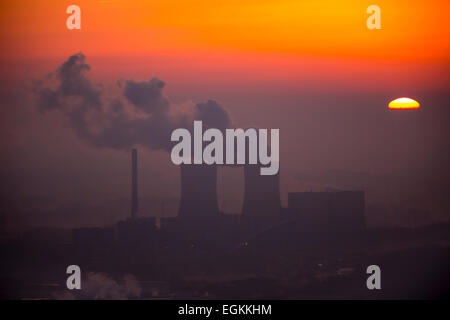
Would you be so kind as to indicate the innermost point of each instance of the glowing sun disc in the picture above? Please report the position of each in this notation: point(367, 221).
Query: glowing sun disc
point(404, 103)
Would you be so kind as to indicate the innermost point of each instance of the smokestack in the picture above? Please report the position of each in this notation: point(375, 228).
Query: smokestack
point(134, 195)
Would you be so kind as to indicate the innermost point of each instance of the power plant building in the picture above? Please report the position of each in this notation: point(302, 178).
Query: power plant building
point(328, 211)
point(200, 221)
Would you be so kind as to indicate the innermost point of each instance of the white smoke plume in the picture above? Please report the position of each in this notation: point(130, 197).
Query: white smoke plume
point(140, 115)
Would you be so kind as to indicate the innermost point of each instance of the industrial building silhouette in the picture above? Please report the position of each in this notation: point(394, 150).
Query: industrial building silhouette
point(328, 211)
point(201, 224)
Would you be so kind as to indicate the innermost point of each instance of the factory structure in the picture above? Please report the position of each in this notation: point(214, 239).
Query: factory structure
point(200, 223)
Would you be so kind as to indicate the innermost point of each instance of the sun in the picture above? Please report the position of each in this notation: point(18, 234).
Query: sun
point(404, 103)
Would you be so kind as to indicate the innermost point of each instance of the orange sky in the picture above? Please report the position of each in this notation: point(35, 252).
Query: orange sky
point(280, 36)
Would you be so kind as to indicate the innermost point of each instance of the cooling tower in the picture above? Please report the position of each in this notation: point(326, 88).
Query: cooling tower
point(198, 202)
point(134, 194)
point(261, 207)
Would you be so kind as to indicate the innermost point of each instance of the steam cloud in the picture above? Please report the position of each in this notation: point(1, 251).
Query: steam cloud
point(101, 286)
point(139, 115)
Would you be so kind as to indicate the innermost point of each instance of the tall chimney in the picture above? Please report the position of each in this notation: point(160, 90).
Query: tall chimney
point(134, 195)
